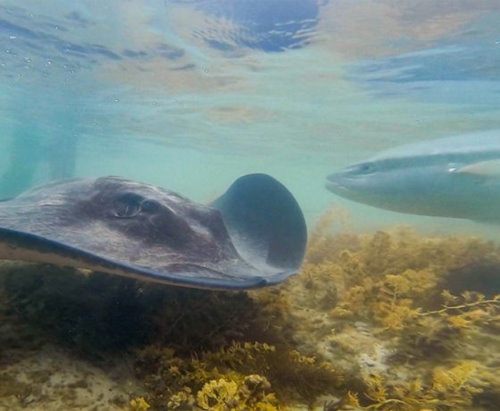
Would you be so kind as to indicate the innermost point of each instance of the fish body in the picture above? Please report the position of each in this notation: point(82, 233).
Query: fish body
point(456, 177)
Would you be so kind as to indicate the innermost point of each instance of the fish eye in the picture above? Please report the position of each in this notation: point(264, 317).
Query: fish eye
point(127, 205)
point(150, 206)
point(366, 168)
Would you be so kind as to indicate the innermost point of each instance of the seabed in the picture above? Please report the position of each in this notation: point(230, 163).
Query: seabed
point(391, 320)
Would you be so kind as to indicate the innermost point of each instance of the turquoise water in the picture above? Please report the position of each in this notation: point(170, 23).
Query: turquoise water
point(192, 94)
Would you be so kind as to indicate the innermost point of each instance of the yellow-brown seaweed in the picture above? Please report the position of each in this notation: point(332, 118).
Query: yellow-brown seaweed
point(391, 320)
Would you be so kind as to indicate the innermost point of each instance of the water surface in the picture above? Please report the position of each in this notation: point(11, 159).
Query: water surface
point(192, 94)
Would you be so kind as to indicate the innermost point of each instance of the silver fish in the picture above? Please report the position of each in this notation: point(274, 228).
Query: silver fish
point(455, 177)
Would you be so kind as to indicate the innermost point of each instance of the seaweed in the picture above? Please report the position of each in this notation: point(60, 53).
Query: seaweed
point(97, 313)
point(390, 320)
point(139, 404)
point(445, 388)
point(401, 338)
point(171, 379)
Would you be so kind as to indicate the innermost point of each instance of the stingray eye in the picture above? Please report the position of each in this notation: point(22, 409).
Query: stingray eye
point(150, 206)
point(127, 206)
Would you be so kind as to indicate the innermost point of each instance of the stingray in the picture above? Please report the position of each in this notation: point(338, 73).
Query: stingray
point(252, 236)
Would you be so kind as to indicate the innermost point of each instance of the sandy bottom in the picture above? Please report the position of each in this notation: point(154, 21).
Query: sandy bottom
point(36, 374)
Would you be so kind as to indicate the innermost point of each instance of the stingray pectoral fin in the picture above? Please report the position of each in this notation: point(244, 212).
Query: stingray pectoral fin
point(488, 168)
point(253, 236)
point(265, 223)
